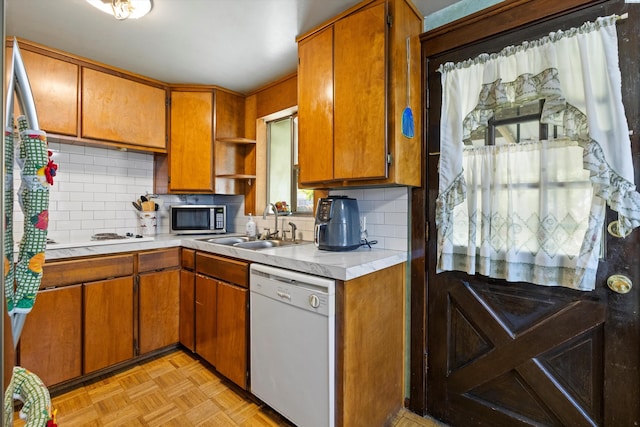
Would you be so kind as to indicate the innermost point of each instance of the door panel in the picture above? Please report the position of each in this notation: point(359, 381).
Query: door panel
point(205, 315)
point(515, 354)
point(159, 309)
point(108, 323)
point(502, 359)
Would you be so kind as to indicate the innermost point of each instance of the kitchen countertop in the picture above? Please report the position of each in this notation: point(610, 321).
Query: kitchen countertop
point(304, 257)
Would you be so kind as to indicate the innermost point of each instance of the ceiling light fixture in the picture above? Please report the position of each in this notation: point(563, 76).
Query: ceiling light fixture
point(123, 9)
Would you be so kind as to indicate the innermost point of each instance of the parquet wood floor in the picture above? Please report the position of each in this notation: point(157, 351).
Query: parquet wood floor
point(172, 390)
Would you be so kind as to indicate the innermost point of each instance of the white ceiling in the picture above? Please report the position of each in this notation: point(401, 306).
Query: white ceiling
point(241, 45)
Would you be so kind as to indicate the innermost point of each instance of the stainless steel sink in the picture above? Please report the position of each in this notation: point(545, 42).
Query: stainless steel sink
point(265, 244)
point(228, 241)
point(260, 244)
point(244, 242)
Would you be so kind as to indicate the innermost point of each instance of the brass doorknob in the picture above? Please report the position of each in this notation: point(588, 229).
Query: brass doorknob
point(619, 283)
point(614, 229)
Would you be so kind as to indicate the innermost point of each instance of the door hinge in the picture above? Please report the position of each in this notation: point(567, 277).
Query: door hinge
point(389, 20)
point(167, 101)
point(136, 284)
point(136, 348)
point(389, 158)
point(426, 231)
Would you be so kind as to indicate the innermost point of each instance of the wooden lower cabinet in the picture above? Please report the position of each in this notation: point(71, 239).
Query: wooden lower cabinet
point(108, 323)
point(232, 336)
point(222, 300)
point(158, 309)
point(187, 309)
point(206, 318)
point(51, 341)
point(370, 315)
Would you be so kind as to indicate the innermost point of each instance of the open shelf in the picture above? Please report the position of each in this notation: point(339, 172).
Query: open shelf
point(237, 140)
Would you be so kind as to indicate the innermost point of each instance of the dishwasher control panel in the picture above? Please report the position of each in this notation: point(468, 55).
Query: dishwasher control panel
point(304, 291)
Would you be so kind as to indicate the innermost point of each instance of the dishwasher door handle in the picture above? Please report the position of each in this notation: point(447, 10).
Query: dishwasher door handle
point(282, 279)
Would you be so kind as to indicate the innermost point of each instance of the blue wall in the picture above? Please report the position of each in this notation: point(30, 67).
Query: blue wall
point(456, 11)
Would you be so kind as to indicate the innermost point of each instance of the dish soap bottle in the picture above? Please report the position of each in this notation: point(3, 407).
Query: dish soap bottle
point(250, 229)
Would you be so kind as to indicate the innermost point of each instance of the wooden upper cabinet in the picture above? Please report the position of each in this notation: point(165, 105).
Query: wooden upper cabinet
point(123, 110)
point(315, 107)
point(208, 153)
point(360, 140)
point(352, 89)
point(54, 84)
point(191, 154)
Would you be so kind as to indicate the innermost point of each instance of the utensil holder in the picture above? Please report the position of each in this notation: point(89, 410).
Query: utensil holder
point(148, 223)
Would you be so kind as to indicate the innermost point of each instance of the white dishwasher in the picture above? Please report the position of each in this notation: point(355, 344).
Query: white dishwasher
point(292, 321)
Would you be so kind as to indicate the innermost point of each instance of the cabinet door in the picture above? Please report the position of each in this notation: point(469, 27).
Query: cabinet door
point(54, 84)
point(360, 103)
point(158, 309)
point(123, 110)
point(231, 346)
point(206, 300)
point(51, 341)
point(315, 107)
point(187, 309)
point(191, 154)
point(108, 323)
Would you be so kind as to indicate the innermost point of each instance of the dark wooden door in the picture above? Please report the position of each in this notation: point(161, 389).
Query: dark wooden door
point(510, 354)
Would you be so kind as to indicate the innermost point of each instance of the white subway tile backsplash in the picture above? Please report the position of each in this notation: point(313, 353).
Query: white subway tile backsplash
point(65, 187)
point(396, 193)
point(104, 179)
point(80, 196)
point(93, 191)
point(76, 177)
point(70, 206)
point(396, 218)
point(95, 186)
point(116, 170)
point(78, 215)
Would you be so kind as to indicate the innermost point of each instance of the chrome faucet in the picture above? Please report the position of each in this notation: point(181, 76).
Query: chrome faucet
point(264, 216)
point(293, 231)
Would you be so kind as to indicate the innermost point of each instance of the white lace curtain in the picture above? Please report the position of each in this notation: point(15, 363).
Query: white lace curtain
point(534, 211)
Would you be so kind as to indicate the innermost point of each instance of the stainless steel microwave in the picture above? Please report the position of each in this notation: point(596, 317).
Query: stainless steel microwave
point(197, 219)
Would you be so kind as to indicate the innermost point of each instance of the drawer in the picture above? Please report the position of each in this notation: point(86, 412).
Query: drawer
point(225, 269)
point(158, 259)
point(70, 272)
point(189, 259)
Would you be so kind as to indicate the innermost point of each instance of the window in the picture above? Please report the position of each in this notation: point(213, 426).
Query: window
point(282, 175)
point(528, 203)
point(528, 186)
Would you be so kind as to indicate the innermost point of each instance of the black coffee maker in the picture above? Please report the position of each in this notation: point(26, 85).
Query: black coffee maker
point(337, 226)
